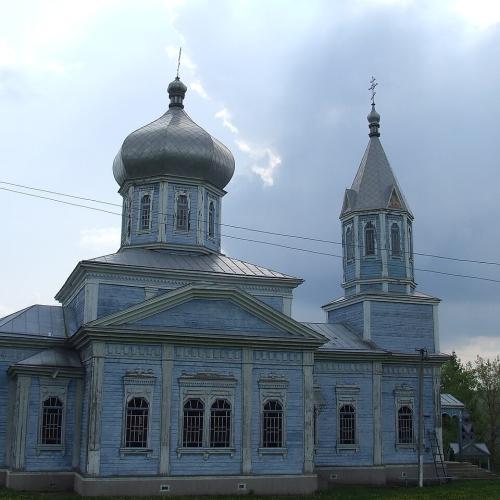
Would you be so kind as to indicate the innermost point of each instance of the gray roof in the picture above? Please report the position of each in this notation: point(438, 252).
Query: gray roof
point(340, 338)
point(471, 449)
point(174, 145)
point(57, 358)
point(374, 183)
point(164, 259)
point(449, 401)
point(35, 320)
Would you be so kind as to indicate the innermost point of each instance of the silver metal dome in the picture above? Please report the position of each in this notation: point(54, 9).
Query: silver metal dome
point(176, 146)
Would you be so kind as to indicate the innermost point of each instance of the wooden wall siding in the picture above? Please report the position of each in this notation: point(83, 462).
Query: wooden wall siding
point(397, 288)
point(371, 266)
point(371, 287)
point(212, 243)
point(74, 312)
point(137, 237)
point(350, 315)
point(326, 447)
point(212, 314)
point(402, 327)
point(49, 460)
point(114, 298)
point(112, 462)
point(274, 302)
point(8, 356)
point(180, 237)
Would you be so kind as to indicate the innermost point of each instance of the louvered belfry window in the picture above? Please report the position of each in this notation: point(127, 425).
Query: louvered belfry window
point(272, 424)
point(349, 243)
point(145, 212)
point(370, 239)
point(52, 421)
point(220, 424)
point(395, 240)
point(211, 220)
point(182, 222)
point(137, 421)
point(192, 431)
point(347, 424)
point(405, 425)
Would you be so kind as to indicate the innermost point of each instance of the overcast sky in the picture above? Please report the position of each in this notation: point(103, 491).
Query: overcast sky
point(284, 85)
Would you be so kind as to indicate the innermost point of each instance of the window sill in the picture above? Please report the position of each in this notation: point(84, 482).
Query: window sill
point(143, 231)
point(136, 451)
point(273, 451)
point(348, 447)
point(206, 452)
point(406, 446)
point(50, 447)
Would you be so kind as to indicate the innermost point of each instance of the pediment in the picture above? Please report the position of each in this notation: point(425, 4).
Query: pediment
point(209, 309)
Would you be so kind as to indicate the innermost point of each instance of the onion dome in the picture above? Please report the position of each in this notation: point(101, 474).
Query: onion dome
point(174, 145)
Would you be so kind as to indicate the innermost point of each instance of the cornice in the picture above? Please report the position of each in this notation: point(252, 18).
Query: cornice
point(32, 341)
point(367, 211)
point(389, 357)
point(201, 249)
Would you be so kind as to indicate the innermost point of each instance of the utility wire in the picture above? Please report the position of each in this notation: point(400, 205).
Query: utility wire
point(255, 230)
point(256, 241)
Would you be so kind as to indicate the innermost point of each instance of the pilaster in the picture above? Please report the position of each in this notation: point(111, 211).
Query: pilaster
point(91, 296)
point(383, 244)
point(75, 461)
point(357, 247)
point(95, 404)
point(162, 212)
point(435, 317)
point(246, 431)
point(367, 320)
point(23, 386)
point(200, 236)
point(436, 389)
point(407, 247)
point(377, 413)
point(307, 367)
point(167, 367)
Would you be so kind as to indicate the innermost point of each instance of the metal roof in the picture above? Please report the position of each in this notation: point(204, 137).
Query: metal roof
point(174, 145)
point(449, 401)
point(164, 259)
point(340, 338)
point(47, 321)
point(57, 358)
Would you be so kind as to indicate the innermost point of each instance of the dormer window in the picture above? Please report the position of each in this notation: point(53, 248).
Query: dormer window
point(395, 240)
point(145, 213)
point(349, 243)
point(369, 238)
point(211, 219)
point(182, 212)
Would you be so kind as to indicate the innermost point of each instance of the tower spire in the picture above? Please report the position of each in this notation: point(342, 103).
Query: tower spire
point(178, 63)
point(373, 117)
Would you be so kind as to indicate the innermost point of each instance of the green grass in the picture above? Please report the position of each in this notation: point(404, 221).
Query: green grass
point(460, 490)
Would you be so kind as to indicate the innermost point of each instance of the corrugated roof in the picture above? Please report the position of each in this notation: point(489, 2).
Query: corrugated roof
point(212, 263)
point(340, 338)
point(35, 320)
point(449, 401)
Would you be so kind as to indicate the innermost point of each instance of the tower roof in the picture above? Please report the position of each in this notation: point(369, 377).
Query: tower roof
point(174, 145)
point(375, 186)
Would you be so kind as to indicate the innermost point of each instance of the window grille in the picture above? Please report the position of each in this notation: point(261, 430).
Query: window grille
point(192, 432)
point(405, 425)
point(347, 424)
point(395, 240)
point(145, 212)
point(52, 419)
point(272, 425)
point(182, 223)
point(349, 242)
point(137, 417)
point(369, 239)
point(220, 424)
point(211, 220)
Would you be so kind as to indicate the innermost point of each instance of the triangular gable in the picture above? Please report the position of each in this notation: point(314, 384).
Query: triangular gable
point(200, 304)
point(349, 201)
point(395, 200)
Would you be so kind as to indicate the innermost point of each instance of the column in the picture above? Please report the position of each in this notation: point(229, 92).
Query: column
point(246, 421)
point(167, 367)
point(357, 251)
point(377, 413)
point(308, 366)
point(20, 421)
point(77, 437)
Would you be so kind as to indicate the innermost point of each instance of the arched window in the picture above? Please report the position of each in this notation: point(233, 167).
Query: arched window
point(410, 240)
point(129, 218)
point(349, 243)
point(52, 421)
point(182, 211)
point(145, 223)
point(347, 424)
point(211, 219)
point(192, 431)
point(220, 424)
point(405, 425)
point(395, 240)
point(136, 423)
point(369, 238)
point(272, 424)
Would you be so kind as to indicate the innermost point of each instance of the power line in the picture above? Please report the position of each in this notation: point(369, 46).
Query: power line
point(233, 226)
point(305, 250)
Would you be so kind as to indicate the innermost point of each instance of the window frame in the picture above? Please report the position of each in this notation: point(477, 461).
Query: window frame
point(373, 227)
point(398, 255)
point(347, 395)
point(178, 194)
point(212, 202)
point(349, 247)
point(404, 395)
point(142, 194)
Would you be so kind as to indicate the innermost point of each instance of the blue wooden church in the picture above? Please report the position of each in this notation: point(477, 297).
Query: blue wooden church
point(171, 368)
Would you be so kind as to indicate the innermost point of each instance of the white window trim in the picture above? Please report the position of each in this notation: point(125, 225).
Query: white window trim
point(178, 192)
point(353, 258)
point(401, 252)
point(208, 387)
point(404, 395)
point(273, 387)
point(57, 388)
point(213, 200)
point(347, 395)
point(142, 193)
point(375, 243)
point(137, 384)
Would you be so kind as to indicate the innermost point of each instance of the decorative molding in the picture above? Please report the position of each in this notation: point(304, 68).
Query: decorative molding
point(133, 351)
point(339, 367)
point(207, 353)
point(404, 370)
point(288, 357)
point(404, 391)
point(207, 379)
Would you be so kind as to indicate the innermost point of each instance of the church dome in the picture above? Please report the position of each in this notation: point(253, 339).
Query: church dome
point(174, 145)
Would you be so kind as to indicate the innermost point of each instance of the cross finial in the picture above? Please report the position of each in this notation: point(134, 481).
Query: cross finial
point(179, 62)
point(373, 84)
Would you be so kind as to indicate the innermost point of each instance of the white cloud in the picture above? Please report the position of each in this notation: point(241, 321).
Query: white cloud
point(486, 347)
point(271, 162)
point(226, 118)
point(197, 87)
point(103, 239)
point(481, 14)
